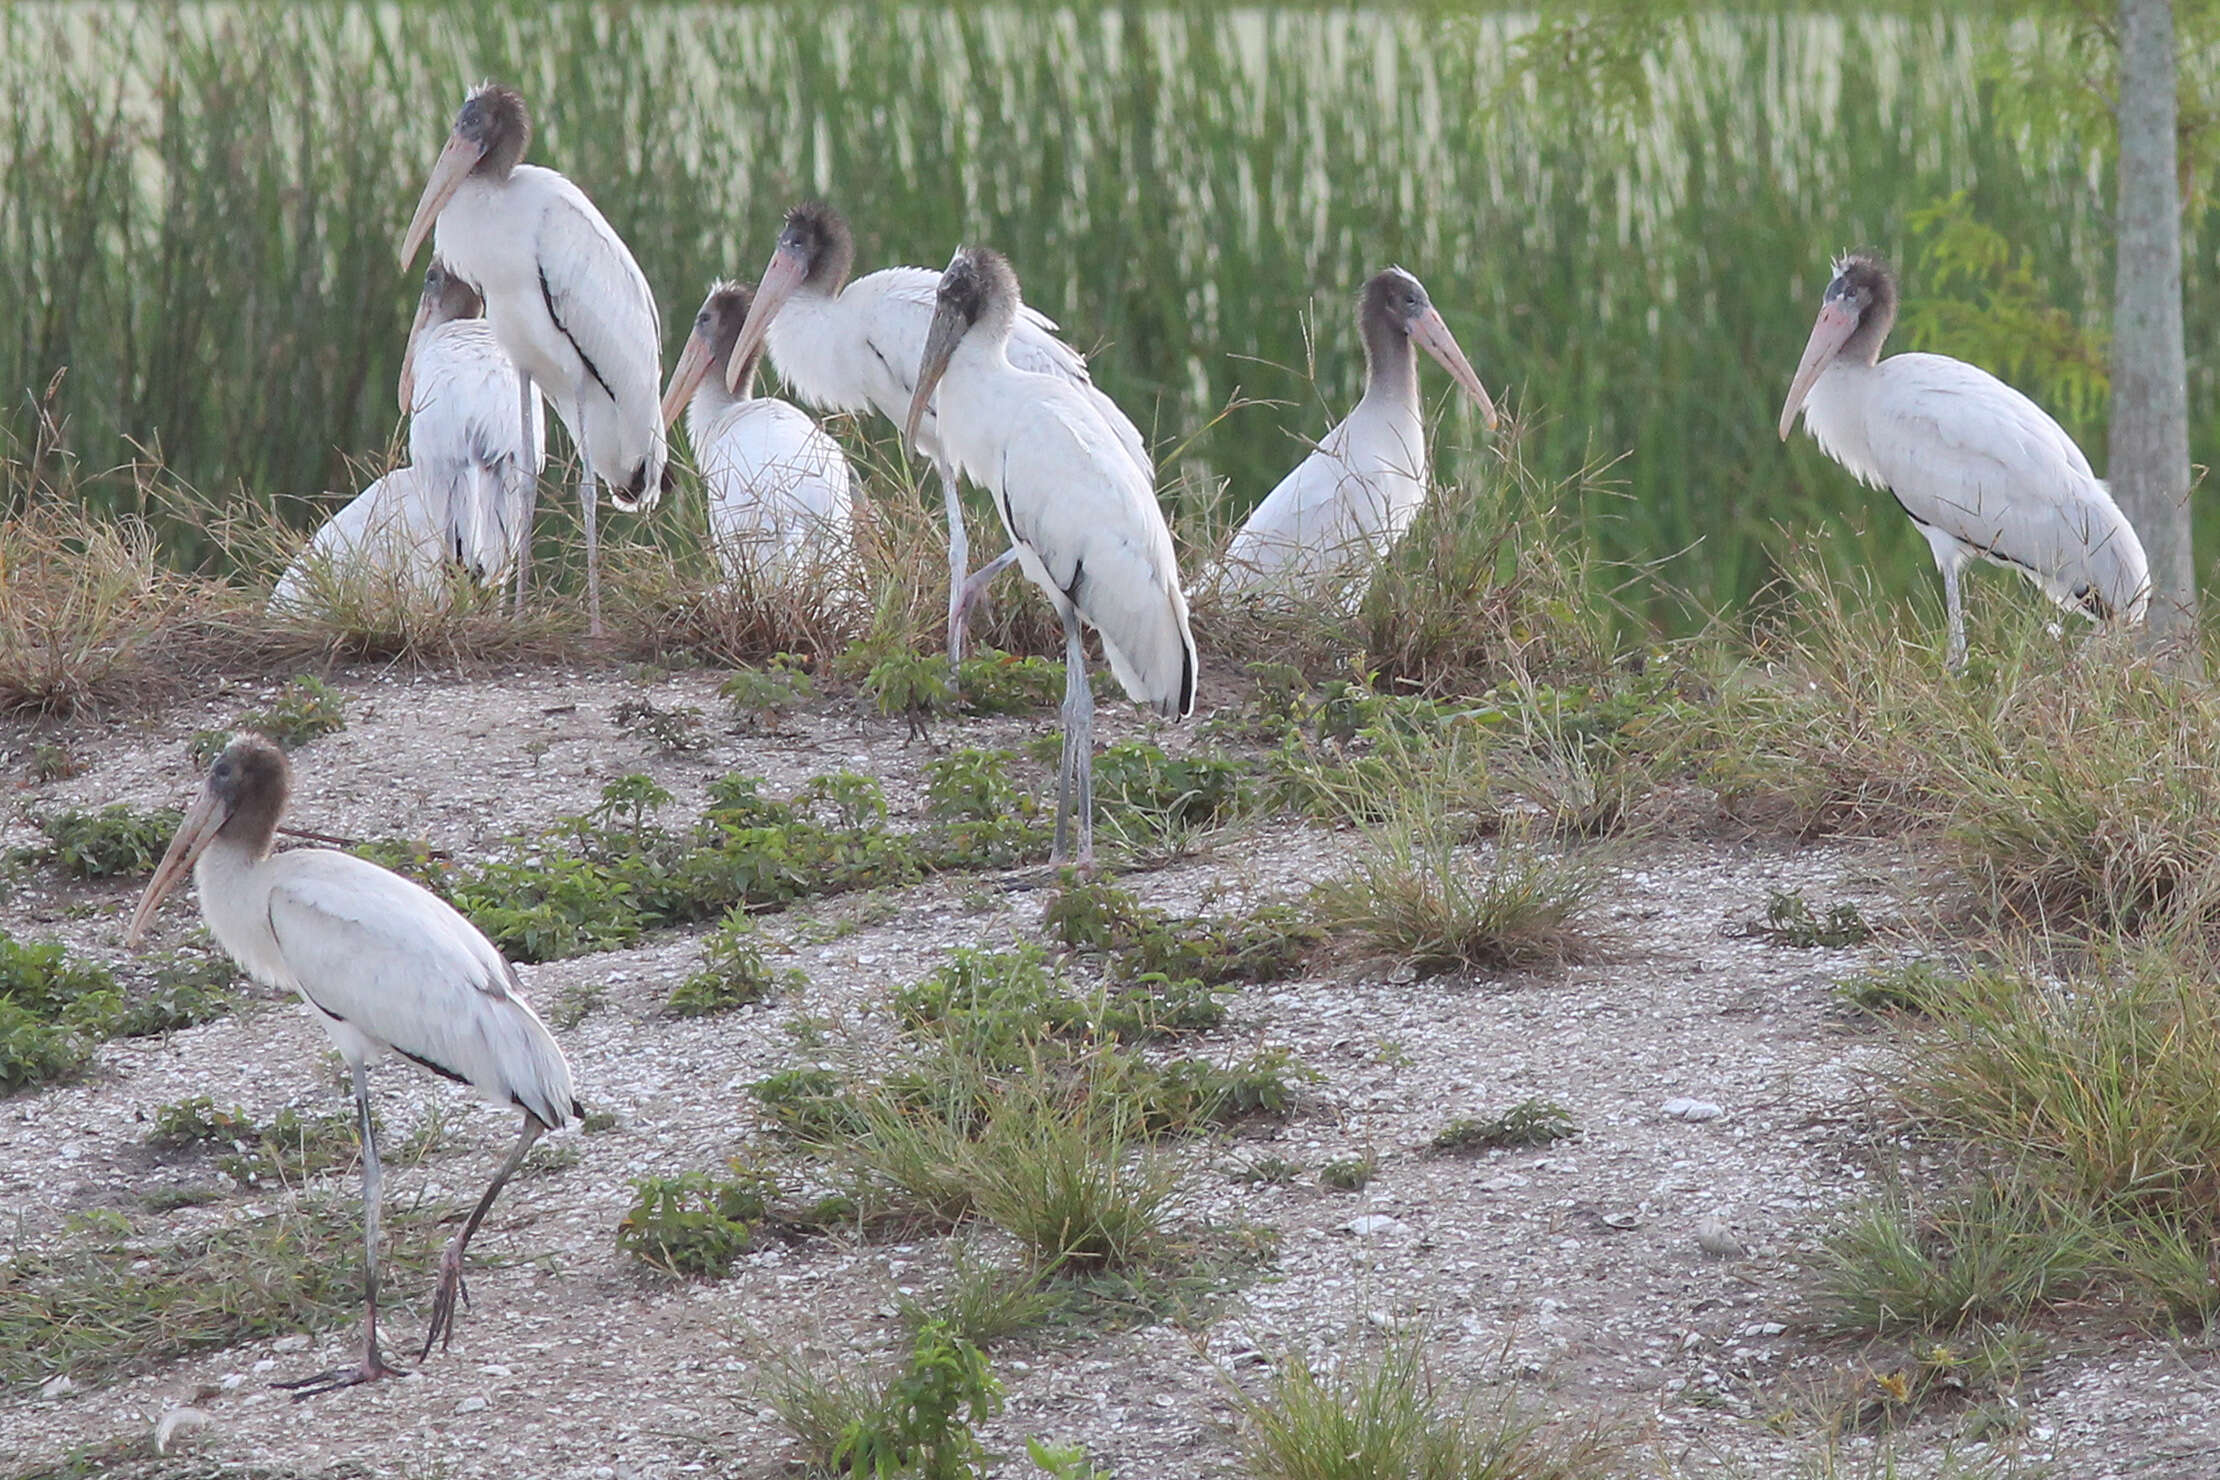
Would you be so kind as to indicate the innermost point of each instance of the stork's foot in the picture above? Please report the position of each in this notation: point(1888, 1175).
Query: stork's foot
point(371, 1368)
point(451, 1286)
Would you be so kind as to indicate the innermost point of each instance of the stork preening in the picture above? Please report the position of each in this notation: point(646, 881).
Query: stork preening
point(565, 299)
point(383, 965)
point(845, 346)
point(780, 491)
point(1345, 505)
point(1982, 470)
point(1082, 516)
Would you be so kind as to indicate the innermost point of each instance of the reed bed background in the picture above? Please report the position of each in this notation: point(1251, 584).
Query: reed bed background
point(199, 204)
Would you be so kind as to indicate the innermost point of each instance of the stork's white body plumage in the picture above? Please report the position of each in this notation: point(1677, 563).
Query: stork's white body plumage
point(857, 350)
point(1984, 472)
point(383, 965)
point(465, 442)
point(572, 309)
point(780, 491)
point(1082, 518)
point(390, 538)
point(1343, 507)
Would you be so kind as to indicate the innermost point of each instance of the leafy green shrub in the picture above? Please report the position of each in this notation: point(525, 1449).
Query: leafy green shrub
point(674, 731)
point(808, 1101)
point(550, 907)
point(113, 842)
point(307, 709)
point(1349, 1173)
point(1909, 987)
point(985, 820)
point(916, 1421)
point(1528, 1123)
point(913, 688)
point(1269, 944)
point(732, 974)
point(293, 1147)
point(199, 1122)
point(53, 1009)
point(696, 1224)
point(993, 682)
point(1136, 783)
point(768, 693)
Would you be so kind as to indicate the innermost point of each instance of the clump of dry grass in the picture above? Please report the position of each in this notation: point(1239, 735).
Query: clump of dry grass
point(90, 619)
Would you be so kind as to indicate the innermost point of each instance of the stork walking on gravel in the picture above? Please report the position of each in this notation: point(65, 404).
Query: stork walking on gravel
point(564, 297)
point(1082, 518)
point(1982, 470)
point(845, 346)
point(383, 965)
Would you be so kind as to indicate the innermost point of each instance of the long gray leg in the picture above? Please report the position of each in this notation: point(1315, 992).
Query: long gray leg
point(1956, 656)
point(1075, 782)
point(451, 1262)
point(373, 1364)
point(529, 505)
point(588, 514)
point(959, 559)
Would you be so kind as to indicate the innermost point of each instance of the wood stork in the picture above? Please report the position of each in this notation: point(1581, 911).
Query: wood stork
point(1082, 518)
point(1345, 506)
point(460, 392)
point(780, 490)
point(389, 543)
point(1981, 469)
point(382, 964)
point(856, 346)
point(565, 299)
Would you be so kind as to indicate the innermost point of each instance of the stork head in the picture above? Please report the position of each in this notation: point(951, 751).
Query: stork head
point(1855, 316)
point(815, 250)
point(716, 330)
point(445, 297)
point(1394, 313)
point(240, 802)
point(978, 290)
point(488, 139)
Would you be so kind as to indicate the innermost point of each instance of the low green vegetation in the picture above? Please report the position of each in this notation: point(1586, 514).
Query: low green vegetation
point(306, 709)
point(675, 731)
point(1528, 1123)
point(1415, 896)
point(112, 1299)
point(1388, 1415)
point(914, 1417)
point(694, 1223)
point(1789, 920)
point(117, 841)
point(289, 1149)
point(55, 1008)
point(733, 973)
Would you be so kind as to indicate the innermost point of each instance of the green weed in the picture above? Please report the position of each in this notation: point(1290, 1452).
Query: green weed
point(1790, 921)
point(914, 1420)
point(733, 973)
point(695, 1224)
point(115, 842)
point(307, 709)
point(1528, 1123)
point(1412, 896)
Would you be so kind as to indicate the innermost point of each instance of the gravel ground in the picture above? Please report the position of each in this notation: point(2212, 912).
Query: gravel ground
point(1570, 1274)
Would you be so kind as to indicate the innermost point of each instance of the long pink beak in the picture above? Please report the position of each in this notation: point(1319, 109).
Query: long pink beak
point(1833, 330)
point(1432, 331)
point(194, 834)
point(408, 357)
point(780, 279)
point(453, 166)
point(694, 365)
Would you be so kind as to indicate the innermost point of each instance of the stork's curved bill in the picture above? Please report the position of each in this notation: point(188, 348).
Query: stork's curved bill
point(941, 339)
point(785, 272)
point(203, 821)
point(455, 162)
point(1431, 330)
point(1829, 333)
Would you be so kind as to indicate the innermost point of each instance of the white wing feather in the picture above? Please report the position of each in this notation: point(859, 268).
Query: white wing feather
point(466, 440)
point(402, 968)
point(1089, 531)
point(391, 533)
point(1967, 454)
point(601, 301)
point(780, 492)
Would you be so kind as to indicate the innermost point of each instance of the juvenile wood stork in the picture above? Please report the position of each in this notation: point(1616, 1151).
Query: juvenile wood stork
point(1982, 470)
point(460, 391)
point(780, 490)
point(1345, 505)
point(1082, 518)
point(382, 964)
point(856, 346)
point(565, 299)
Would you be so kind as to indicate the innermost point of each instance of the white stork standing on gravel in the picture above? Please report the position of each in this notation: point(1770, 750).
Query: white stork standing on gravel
point(780, 491)
point(1346, 505)
point(1982, 470)
point(383, 965)
point(1082, 517)
point(564, 297)
point(856, 346)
